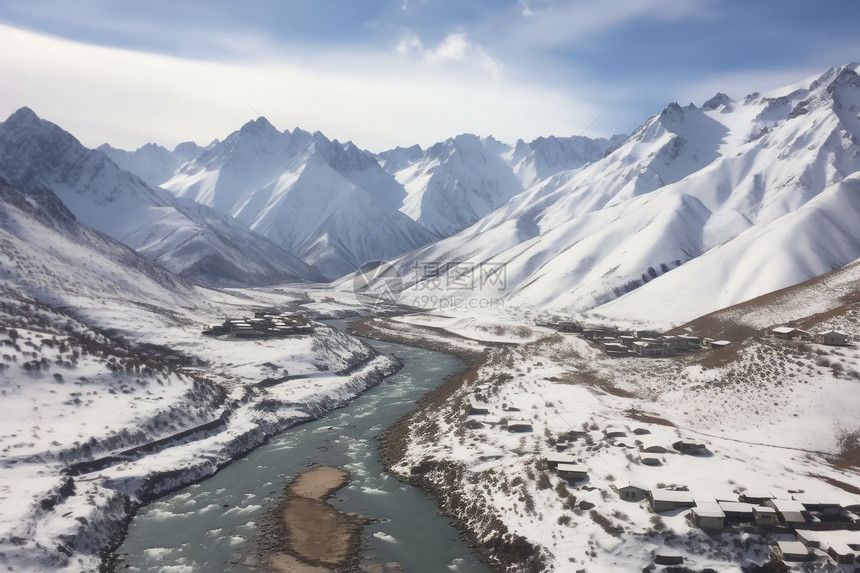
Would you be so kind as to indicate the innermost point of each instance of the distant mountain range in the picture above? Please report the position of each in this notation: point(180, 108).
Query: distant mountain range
point(186, 238)
point(700, 208)
point(337, 206)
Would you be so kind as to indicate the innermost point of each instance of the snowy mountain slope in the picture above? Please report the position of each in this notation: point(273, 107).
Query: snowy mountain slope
point(48, 255)
point(545, 156)
point(99, 413)
point(687, 184)
point(805, 305)
point(189, 241)
point(153, 163)
point(393, 160)
point(457, 182)
point(330, 203)
point(820, 237)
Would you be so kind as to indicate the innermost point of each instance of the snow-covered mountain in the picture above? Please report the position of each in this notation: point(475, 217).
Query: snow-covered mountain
point(47, 254)
point(329, 203)
point(704, 206)
point(187, 239)
point(546, 156)
point(151, 162)
point(456, 182)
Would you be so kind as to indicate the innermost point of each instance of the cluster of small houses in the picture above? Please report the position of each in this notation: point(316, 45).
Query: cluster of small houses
point(646, 343)
point(820, 527)
point(652, 344)
point(828, 337)
point(263, 325)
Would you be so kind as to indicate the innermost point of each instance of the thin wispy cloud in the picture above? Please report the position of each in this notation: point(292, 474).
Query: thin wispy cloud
point(391, 72)
point(454, 48)
point(128, 98)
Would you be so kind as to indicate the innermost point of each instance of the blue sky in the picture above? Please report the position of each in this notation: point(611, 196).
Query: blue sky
point(386, 73)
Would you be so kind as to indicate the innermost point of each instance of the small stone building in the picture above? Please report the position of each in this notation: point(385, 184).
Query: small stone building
point(832, 338)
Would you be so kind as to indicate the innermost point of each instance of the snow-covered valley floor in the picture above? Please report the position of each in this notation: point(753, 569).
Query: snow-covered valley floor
point(775, 416)
point(92, 425)
point(95, 423)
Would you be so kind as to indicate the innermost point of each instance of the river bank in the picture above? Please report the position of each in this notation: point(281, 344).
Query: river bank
point(217, 524)
point(500, 550)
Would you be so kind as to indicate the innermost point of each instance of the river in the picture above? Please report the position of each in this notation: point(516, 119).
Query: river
point(211, 526)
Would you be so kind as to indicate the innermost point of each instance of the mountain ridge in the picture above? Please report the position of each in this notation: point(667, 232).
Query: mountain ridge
point(36, 153)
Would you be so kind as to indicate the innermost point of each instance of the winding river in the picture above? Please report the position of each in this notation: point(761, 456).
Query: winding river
point(211, 526)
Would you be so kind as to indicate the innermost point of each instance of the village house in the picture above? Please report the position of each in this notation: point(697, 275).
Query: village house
point(666, 556)
point(627, 340)
point(738, 512)
point(691, 341)
point(611, 432)
point(826, 508)
point(841, 545)
point(652, 349)
point(708, 516)
point(572, 472)
point(475, 408)
point(650, 460)
point(842, 553)
point(790, 511)
point(785, 332)
point(629, 491)
point(670, 500)
point(674, 343)
point(765, 516)
point(791, 551)
point(519, 426)
point(615, 349)
point(832, 338)
point(553, 460)
point(599, 333)
point(756, 497)
point(263, 325)
point(569, 326)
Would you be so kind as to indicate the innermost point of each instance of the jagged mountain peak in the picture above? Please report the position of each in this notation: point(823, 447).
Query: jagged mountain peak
point(120, 204)
point(467, 143)
point(257, 126)
point(398, 158)
point(343, 157)
point(719, 100)
point(701, 208)
point(26, 122)
point(22, 116)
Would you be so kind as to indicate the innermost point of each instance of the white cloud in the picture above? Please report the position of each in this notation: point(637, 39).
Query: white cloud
point(454, 48)
point(378, 99)
point(409, 44)
point(525, 9)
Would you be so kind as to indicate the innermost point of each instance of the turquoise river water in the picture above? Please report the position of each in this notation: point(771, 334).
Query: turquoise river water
point(211, 526)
